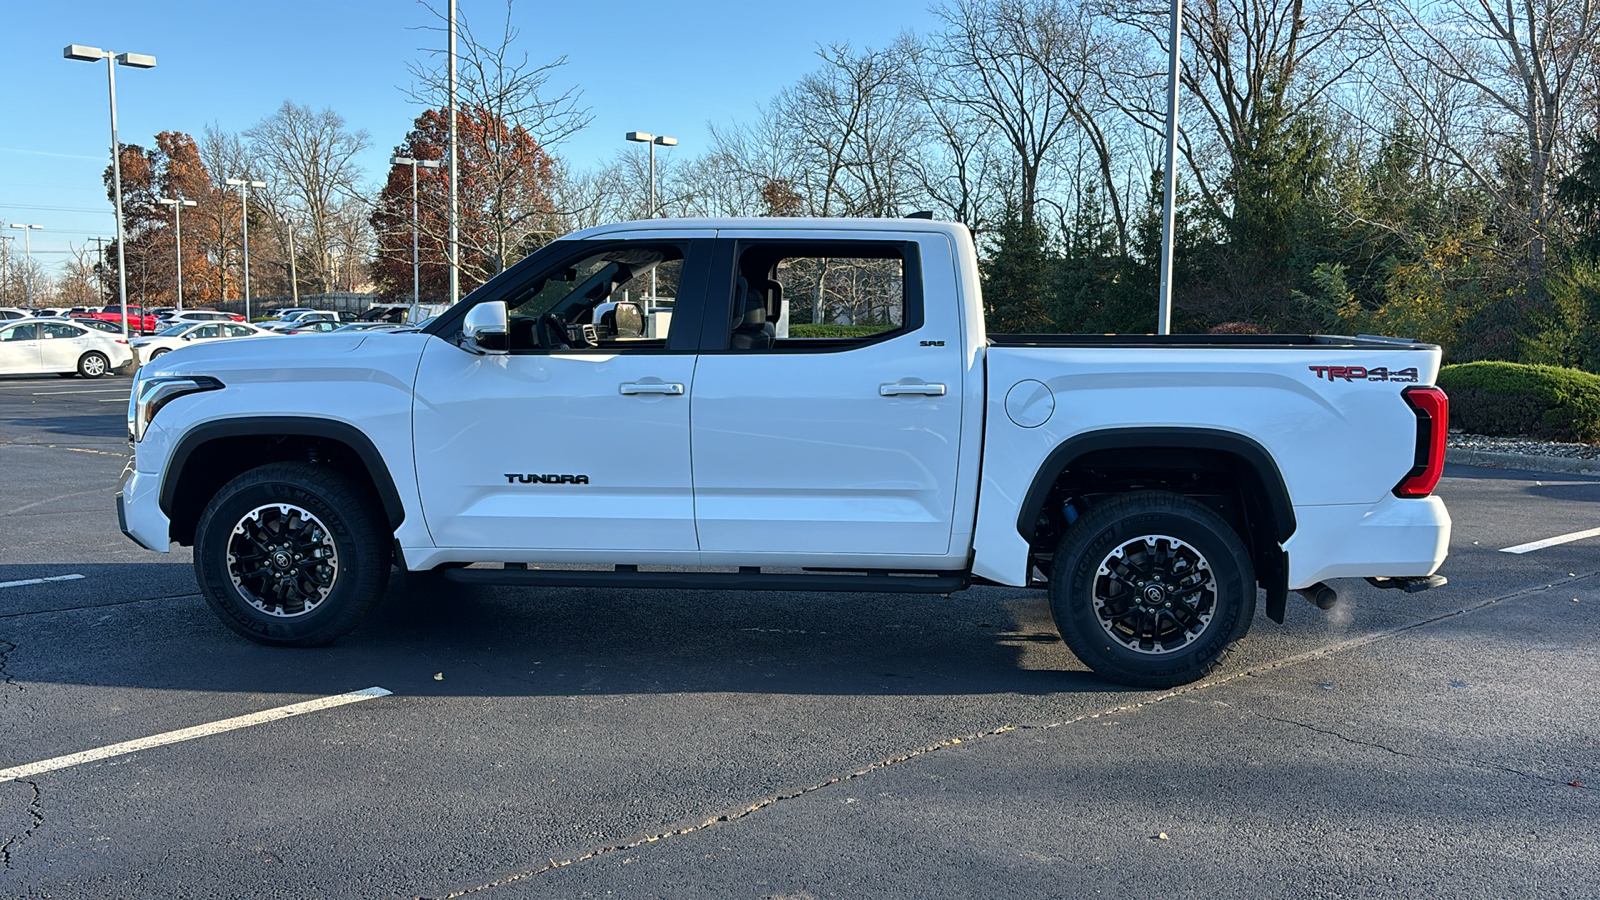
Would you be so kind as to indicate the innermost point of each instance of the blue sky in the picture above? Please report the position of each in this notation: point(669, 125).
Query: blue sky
point(665, 67)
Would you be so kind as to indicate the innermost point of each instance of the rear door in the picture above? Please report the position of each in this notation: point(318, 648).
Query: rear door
point(842, 445)
point(580, 444)
point(61, 345)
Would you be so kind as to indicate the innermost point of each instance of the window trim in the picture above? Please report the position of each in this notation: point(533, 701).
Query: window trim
point(716, 329)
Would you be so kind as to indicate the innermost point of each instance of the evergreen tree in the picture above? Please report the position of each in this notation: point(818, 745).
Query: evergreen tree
point(1017, 276)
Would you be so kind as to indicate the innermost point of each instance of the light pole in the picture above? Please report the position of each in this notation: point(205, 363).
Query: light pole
point(654, 140)
point(416, 225)
point(5, 267)
point(177, 237)
point(455, 233)
point(294, 280)
point(245, 185)
point(27, 244)
point(1169, 201)
point(138, 61)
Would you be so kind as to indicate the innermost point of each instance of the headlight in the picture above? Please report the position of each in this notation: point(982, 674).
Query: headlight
point(150, 394)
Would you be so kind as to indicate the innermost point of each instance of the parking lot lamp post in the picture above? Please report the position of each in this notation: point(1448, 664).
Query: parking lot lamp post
point(294, 281)
point(654, 140)
point(27, 244)
point(245, 185)
point(177, 205)
point(138, 61)
point(416, 225)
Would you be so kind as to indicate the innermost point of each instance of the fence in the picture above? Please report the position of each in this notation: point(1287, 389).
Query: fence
point(339, 302)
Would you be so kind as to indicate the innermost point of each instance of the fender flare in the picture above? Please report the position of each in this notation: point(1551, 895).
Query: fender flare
point(278, 426)
point(1266, 469)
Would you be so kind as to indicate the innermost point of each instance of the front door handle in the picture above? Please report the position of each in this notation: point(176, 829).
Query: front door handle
point(924, 390)
point(649, 387)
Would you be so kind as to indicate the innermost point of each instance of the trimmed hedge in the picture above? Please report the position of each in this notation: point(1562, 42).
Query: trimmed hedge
point(1515, 400)
point(836, 331)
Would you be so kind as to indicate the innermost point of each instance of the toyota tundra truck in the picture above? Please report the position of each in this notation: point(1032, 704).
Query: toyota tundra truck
point(631, 406)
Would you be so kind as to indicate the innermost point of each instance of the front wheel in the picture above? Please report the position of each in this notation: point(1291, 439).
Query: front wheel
point(292, 554)
point(1152, 589)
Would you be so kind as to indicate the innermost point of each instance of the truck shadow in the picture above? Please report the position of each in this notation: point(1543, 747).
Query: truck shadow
point(145, 625)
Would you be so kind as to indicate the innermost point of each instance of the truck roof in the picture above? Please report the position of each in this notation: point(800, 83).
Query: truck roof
point(774, 223)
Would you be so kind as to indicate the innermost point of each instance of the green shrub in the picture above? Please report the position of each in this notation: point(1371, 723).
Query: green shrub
point(836, 331)
point(1516, 400)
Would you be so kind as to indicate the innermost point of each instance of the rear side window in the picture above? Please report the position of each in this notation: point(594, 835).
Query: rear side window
point(59, 330)
point(823, 295)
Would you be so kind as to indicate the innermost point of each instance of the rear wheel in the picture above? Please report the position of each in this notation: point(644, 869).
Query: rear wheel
point(1152, 589)
point(93, 364)
point(292, 554)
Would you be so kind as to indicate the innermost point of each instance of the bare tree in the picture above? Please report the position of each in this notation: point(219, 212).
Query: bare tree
point(509, 121)
point(985, 61)
point(308, 160)
point(1519, 64)
point(78, 283)
point(1250, 65)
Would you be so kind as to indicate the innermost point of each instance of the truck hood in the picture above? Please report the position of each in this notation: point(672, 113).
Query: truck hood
point(304, 359)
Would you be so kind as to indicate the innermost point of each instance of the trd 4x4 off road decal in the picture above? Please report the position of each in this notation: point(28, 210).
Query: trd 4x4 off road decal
point(513, 478)
point(1361, 373)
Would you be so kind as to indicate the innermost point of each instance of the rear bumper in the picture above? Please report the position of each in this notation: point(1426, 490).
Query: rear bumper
point(1388, 539)
point(139, 510)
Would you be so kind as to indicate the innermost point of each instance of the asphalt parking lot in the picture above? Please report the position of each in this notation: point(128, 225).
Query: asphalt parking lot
point(587, 743)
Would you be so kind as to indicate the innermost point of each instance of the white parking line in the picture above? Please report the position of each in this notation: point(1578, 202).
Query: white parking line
point(115, 400)
point(26, 581)
point(98, 391)
point(1551, 542)
point(189, 734)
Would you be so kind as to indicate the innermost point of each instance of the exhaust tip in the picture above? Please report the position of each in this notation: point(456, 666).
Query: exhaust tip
point(1320, 595)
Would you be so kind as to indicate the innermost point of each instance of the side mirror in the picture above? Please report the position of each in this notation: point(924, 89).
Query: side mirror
point(629, 320)
point(188, 337)
point(485, 322)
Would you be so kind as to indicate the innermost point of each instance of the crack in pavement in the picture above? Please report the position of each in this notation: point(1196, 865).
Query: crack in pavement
point(1449, 760)
point(36, 813)
point(107, 605)
point(6, 649)
point(1349, 644)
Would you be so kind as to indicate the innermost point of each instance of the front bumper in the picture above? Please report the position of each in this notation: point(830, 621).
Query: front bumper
point(139, 510)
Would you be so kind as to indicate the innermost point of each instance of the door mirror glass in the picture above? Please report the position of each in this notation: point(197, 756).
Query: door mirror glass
point(485, 325)
point(629, 320)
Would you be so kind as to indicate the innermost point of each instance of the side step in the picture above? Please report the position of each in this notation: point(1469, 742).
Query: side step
point(749, 578)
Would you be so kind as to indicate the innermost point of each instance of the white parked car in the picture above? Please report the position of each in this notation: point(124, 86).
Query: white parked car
point(7, 312)
point(182, 333)
point(174, 317)
point(43, 346)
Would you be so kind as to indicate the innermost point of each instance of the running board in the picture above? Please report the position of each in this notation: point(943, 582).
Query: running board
point(746, 579)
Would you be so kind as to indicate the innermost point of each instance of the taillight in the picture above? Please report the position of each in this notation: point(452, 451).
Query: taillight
point(1433, 421)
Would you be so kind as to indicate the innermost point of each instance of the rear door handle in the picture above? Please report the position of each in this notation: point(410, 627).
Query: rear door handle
point(924, 390)
point(650, 387)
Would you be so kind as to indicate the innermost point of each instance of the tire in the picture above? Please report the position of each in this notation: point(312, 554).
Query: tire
point(93, 364)
point(1152, 589)
point(162, 352)
point(280, 597)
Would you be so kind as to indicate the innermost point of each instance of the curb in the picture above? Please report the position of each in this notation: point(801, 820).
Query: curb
point(1558, 465)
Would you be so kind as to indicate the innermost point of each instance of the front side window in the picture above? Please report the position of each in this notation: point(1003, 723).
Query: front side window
point(618, 298)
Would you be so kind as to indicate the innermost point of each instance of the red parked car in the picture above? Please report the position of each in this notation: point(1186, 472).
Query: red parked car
point(138, 320)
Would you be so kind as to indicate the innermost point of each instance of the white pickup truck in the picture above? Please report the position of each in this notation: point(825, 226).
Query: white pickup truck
point(568, 412)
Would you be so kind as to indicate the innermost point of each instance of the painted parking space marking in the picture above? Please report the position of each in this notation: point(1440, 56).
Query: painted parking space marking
point(189, 734)
point(122, 399)
point(96, 391)
point(28, 581)
point(1553, 541)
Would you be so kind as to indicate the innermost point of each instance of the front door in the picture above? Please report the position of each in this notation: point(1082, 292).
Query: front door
point(844, 440)
point(573, 435)
point(19, 348)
